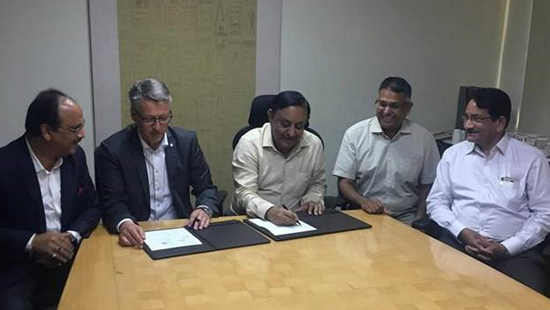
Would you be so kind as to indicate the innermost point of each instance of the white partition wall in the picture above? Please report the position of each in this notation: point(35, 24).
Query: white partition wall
point(335, 52)
point(43, 44)
point(338, 52)
point(535, 112)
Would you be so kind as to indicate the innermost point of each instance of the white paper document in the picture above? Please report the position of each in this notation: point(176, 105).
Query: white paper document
point(170, 238)
point(283, 230)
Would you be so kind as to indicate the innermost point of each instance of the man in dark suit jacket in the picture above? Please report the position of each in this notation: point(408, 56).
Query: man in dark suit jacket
point(144, 171)
point(48, 203)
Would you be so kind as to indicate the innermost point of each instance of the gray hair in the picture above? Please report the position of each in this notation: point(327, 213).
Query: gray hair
point(148, 89)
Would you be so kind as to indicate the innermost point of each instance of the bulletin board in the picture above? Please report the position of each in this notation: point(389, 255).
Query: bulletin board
point(205, 51)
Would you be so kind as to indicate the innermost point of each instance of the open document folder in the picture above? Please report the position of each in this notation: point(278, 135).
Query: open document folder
point(184, 240)
point(277, 230)
point(310, 225)
point(170, 238)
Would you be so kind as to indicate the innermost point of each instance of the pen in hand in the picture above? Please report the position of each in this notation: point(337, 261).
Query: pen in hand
point(191, 224)
point(297, 219)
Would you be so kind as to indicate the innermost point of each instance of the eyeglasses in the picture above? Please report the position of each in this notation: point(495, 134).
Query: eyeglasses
point(285, 124)
point(163, 119)
point(392, 105)
point(478, 119)
point(74, 130)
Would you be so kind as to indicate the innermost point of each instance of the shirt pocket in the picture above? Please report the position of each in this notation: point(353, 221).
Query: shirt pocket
point(408, 169)
point(299, 184)
point(511, 193)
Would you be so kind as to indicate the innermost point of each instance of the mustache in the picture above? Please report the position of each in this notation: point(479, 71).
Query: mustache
point(471, 131)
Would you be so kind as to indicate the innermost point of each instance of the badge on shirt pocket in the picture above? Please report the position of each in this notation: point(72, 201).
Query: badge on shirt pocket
point(507, 181)
point(511, 191)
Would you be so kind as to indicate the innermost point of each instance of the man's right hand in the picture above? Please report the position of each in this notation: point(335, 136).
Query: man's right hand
point(471, 238)
point(281, 216)
point(372, 206)
point(481, 247)
point(474, 243)
point(53, 246)
point(131, 234)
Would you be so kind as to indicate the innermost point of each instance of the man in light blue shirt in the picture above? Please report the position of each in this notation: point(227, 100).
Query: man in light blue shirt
point(491, 195)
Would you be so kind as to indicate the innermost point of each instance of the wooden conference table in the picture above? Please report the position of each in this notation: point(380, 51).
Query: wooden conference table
point(389, 266)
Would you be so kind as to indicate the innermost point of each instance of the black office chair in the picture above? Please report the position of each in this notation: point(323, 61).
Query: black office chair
point(258, 117)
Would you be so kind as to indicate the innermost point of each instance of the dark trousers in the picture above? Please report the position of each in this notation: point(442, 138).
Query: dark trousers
point(40, 289)
point(528, 267)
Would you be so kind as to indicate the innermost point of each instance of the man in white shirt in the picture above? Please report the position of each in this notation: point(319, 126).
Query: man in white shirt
point(386, 164)
point(48, 203)
point(491, 195)
point(144, 171)
point(279, 169)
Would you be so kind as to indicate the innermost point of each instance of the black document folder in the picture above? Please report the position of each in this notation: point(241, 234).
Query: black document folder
point(218, 236)
point(331, 221)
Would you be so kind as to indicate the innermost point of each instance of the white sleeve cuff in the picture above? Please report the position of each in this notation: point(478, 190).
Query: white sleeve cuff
point(261, 209)
point(513, 245)
point(455, 228)
point(75, 235)
point(28, 247)
point(120, 223)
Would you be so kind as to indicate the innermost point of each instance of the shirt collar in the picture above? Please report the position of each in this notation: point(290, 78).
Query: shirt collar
point(377, 129)
point(36, 162)
point(146, 146)
point(501, 146)
point(267, 139)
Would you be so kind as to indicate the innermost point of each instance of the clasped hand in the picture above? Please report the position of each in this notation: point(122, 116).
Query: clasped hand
point(482, 247)
point(53, 248)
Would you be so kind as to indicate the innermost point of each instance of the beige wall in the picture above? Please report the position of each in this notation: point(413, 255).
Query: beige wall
point(535, 111)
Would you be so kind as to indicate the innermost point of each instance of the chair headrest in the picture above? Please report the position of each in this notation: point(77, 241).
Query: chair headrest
point(258, 110)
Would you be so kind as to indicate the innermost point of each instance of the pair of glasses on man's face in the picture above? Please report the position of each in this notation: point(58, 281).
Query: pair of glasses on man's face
point(74, 130)
point(163, 119)
point(474, 118)
point(392, 105)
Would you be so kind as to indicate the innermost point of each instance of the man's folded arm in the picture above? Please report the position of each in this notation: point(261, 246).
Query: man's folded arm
point(439, 201)
point(86, 199)
point(537, 226)
point(13, 243)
